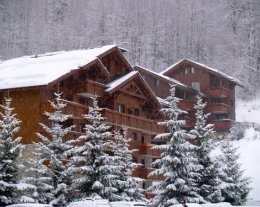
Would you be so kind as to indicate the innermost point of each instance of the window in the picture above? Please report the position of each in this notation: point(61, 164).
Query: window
point(134, 136)
point(179, 93)
point(186, 71)
point(120, 108)
point(219, 116)
point(217, 100)
point(192, 69)
point(136, 112)
point(82, 100)
point(143, 162)
point(90, 101)
point(157, 82)
point(142, 138)
point(214, 82)
point(195, 85)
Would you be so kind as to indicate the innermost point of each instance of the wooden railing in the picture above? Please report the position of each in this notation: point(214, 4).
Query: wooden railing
point(219, 107)
point(186, 105)
point(144, 149)
point(90, 87)
point(144, 172)
point(75, 109)
point(222, 125)
point(219, 92)
point(131, 121)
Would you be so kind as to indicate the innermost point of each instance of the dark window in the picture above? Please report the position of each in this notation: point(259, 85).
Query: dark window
point(143, 162)
point(120, 108)
point(135, 159)
point(142, 138)
point(219, 116)
point(217, 100)
point(136, 112)
point(90, 101)
point(214, 82)
point(179, 93)
point(82, 100)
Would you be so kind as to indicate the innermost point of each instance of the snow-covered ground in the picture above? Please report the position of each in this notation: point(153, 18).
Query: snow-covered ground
point(248, 111)
point(249, 146)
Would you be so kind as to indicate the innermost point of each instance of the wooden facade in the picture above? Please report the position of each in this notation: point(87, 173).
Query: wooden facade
point(218, 88)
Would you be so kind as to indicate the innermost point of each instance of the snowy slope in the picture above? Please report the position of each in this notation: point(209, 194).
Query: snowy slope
point(248, 111)
point(249, 146)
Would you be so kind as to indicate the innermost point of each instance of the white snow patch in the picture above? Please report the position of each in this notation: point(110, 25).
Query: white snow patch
point(45, 68)
point(248, 111)
point(110, 86)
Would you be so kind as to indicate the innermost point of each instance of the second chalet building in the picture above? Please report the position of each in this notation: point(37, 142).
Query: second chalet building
point(131, 96)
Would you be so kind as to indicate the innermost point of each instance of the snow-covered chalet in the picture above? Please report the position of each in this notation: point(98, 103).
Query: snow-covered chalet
point(131, 96)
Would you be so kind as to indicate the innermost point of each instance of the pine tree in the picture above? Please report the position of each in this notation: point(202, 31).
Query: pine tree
point(39, 175)
point(11, 189)
point(56, 149)
point(234, 186)
point(128, 187)
point(92, 167)
point(208, 181)
point(177, 164)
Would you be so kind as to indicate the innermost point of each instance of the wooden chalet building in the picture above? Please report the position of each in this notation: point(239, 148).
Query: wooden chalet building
point(131, 96)
point(127, 99)
point(218, 87)
point(161, 84)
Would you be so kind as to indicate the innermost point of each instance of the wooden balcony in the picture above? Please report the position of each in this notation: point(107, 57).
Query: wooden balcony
point(222, 125)
point(75, 109)
point(186, 105)
point(219, 107)
point(145, 149)
point(90, 87)
point(218, 92)
point(144, 172)
point(131, 121)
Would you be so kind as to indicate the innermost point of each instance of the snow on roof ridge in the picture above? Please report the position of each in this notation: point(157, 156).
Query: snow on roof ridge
point(113, 84)
point(171, 66)
point(205, 66)
point(41, 69)
point(162, 76)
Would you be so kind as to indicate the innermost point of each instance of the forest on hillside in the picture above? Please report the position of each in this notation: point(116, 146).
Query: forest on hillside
point(224, 34)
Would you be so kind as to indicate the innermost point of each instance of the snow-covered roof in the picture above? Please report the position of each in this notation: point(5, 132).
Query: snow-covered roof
point(42, 69)
point(213, 70)
point(173, 81)
point(112, 85)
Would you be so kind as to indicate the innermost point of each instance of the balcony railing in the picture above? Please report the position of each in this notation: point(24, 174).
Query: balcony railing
point(186, 105)
point(218, 92)
point(75, 109)
point(131, 121)
point(90, 87)
point(144, 172)
point(145, 149)
point(222, 125)
point(218, 107)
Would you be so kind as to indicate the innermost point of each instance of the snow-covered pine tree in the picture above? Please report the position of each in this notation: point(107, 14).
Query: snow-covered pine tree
point(92, 167)
point(177, 164)
point(128, 187)
point(234, 186)
point(39, 175)
point(208, 182)
point(56, 148)
point(11, 189)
